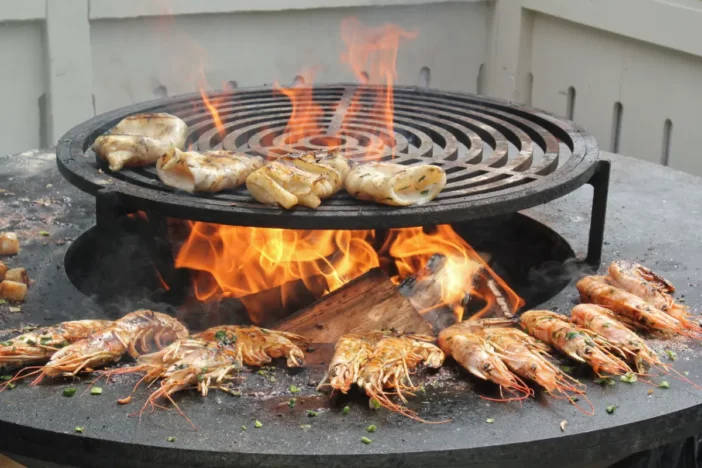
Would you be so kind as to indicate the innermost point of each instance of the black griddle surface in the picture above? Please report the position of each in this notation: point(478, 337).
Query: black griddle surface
point(654, 217)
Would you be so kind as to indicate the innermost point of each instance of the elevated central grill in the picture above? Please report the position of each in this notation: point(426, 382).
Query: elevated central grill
point(499, 157)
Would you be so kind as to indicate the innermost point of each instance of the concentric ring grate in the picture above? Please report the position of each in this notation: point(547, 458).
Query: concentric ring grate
point(499, 157)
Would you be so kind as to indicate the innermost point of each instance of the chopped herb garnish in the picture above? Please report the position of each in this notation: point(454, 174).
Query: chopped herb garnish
point(570, 335)
point(6, 377)
point(7, 343)
point(171, 439)
point(305, 426)
point(225, 338)
point(243, 428)
point(422, 178)
point(574, 399)
point(69, 392)
point(200, 377)
point(312, 414)
point(606, 325)
point(366, 440)
point(79, 430)
point(606, 381)
point(686, 373)
point(568, 369)
point(672, 355)
point(258, 424)
point(422, 389)
point(3, 301)
point(44, 340)
point(291, 402)
point(371, 428)
point(664, 384)
point(11, 385)
point(629, 377)
point(294, 389)
point(44, 233)
point(346, 410)
point(31, 342)
point(404, 188)
point(375, 404)
point(489, 420)
point(96, 391)
point(610, 409)
point(424, 192)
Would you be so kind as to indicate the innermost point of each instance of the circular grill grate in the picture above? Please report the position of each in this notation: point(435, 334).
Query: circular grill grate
point(499, 157)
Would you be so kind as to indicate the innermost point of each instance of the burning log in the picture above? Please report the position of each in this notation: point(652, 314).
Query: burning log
point(18, 275)
point(13, 291)
point(9, 243)
point(369, 302)
point(3, 271)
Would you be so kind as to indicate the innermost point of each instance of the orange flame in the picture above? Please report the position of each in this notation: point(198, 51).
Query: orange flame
point(239, 262)
point(306, 113)
point(214, 112)
point(372, 55)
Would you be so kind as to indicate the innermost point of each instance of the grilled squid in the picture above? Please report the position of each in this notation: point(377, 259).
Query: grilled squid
point(139, 140)
point(304, 179)
point(395, 184)
point(212, 171)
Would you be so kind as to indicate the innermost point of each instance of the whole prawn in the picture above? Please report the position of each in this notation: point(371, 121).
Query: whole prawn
point(463, 342)
point(39, 345)
point(630, 309)
point(351, 353)
point(390, 365)
point(130, 334)
point(525, 356)
point(618, 338)
point(574, 342)
point(652, 288)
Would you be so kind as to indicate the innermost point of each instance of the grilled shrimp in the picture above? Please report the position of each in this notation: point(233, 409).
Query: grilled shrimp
point(201, 368)
point(390, 365)
point(525, 356)
point(630, 309)
point(574, 342)
point(475, 354)
point(255, 346)
point(652, 288)
point(351, 353)
point(130, 334)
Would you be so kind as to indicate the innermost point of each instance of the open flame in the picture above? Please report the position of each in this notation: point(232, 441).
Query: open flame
point(240, 262)
point(249, 263)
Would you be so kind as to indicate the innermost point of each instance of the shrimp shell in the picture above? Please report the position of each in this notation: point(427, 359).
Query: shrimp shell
point(631, 309)
point(652, 288)
point(130, 334)
point(351, 353)
point(574, 342)
point(39, 345)
point(475, 354)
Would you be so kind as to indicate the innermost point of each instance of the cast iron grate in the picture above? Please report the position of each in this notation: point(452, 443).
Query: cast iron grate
point(499, 157)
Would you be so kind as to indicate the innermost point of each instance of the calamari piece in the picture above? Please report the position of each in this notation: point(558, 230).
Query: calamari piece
point(39, 345)
point(130, 334)
point(211, 171)
point(283, 183)
point(159, 126)
point(13, 290)
point(3, 270)
point(395, 184)
point(311, 160)
point(122, 151)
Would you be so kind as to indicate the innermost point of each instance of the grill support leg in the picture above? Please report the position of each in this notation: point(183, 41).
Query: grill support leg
point(600, 185)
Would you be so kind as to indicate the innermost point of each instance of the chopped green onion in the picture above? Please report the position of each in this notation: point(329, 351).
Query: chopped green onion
point(31, 342)
point(44, 233)
point(69, 392)
point(225, 338)
point(371, 428)
point(606, 381)
point(96, 391)
point(672, 355)
point(366, 440)
point(305, 426)
point(258, 424)
point(243, 428)
point(375, 404)
point(3, 301)
point(628, 378)
point(570, 335)
point(664, 384)
point(171, 439)
point(312, 414)
point(6, 377)
point(79, 430)
point(424, 192)
point(7, 343)
point(568, 369)
point(11, 385)
point(489, 420)
point(346, 410)
point(294, 389)
point(291, 402)
point(44, 340)
point(610, 409)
